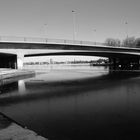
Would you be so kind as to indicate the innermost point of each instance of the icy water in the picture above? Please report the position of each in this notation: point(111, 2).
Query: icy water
point(75, 102)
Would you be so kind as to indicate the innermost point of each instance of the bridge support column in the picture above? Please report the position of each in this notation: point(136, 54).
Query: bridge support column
point(20, 58)
point(113, 63)
point(124, 63)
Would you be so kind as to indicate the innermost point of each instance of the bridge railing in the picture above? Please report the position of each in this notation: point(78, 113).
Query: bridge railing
point(47, 41)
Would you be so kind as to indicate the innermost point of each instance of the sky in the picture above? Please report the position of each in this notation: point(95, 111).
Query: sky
point(93, 20)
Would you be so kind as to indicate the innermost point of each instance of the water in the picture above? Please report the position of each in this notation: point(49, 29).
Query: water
point(75, 102)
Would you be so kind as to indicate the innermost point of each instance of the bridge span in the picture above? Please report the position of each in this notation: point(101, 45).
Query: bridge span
point(13, 52)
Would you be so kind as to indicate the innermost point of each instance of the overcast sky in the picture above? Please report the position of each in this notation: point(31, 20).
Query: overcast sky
point(95, 20)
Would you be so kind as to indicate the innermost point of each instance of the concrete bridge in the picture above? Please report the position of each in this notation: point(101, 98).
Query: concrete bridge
point(14, 49)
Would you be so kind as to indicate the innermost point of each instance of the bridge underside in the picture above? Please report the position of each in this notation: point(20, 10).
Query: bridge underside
point(8, 60)
point(116, 60)
point(88, 53)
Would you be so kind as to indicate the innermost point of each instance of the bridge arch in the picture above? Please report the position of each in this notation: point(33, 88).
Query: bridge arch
point(109, 54)
point(116, 59)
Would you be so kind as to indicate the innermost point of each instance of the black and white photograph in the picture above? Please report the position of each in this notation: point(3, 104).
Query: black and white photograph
point(69, 69)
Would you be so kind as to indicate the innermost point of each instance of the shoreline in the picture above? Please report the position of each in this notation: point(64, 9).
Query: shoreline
point(11, 130)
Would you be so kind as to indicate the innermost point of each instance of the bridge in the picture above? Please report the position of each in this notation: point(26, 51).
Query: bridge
point(14, 49)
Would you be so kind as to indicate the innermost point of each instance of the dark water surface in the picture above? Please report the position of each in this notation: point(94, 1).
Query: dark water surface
point(76, 103)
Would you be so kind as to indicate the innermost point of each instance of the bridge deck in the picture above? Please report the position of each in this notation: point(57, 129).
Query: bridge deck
point(46, 41)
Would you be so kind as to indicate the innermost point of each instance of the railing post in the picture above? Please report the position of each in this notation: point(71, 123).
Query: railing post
point(24, 39)
point(46, 40)
point(65, 41)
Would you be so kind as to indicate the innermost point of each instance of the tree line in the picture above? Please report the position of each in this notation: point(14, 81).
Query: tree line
point(128, 42)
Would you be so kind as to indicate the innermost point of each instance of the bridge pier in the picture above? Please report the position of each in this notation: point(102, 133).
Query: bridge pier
point(113, 63)
point(20, 58)
point(124, 63)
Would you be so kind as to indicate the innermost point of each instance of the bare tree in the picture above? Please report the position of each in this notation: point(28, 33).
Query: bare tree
point(118, 42)
point(137, 42)
point(113, 42)
point(129, 42)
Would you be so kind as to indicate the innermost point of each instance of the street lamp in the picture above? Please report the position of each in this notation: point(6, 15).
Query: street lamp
point(45, 28)
point(74, 20)
point(126, 23)
point(95, 35)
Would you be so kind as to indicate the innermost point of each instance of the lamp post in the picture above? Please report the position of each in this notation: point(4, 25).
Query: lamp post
point(95, 35)
point(74, 20)
point(45, 28)
point(126, 23)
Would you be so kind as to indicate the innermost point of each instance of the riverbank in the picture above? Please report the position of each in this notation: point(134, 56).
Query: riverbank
point(10, 130)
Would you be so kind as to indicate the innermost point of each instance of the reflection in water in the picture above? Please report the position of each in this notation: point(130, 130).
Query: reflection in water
point(7, 88)
point(10, 87)
point(94, 107)
point(21, 87)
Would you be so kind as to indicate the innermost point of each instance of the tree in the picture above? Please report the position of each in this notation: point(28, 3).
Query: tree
point(112, 42)
point(129, 42)
point(118, 42)
point(137, 42)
